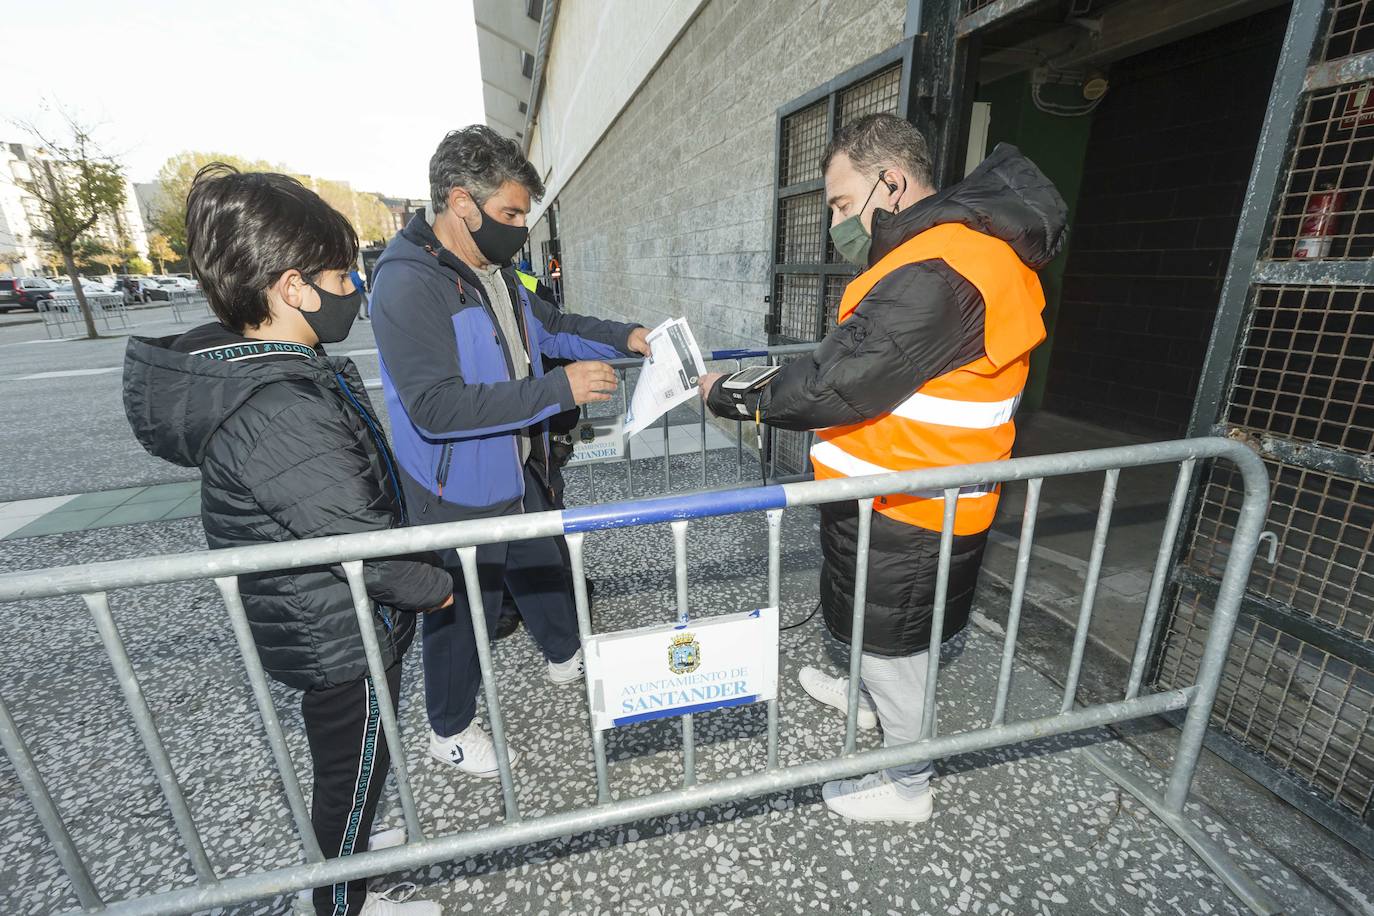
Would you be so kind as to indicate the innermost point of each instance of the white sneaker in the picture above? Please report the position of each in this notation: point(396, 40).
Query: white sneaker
point(834, 691)
point(471, 751)
point(396, 902)
point(569, 672)
point(874, 798)
point(386, 839)
point(303, 904)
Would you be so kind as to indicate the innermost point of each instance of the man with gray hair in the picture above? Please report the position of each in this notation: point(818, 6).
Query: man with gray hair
point(461, 342)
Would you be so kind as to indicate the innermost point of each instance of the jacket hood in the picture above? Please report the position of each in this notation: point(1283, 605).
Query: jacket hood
point(418, 243)
point(1006, 197)
point(177, 401)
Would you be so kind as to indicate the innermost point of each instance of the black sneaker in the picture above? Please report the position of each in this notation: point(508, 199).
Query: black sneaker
point(506, 624)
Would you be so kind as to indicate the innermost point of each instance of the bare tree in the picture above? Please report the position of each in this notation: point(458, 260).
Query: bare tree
point(76, 185)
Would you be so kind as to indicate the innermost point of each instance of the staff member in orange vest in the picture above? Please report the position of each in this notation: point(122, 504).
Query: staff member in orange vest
point(925, 369)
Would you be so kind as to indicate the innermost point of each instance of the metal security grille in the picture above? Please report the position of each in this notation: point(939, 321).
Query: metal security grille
point(801, 222)
point(808, 276)
point(1291, 372)
point(834, 292)
point(1306, 710)
point(1328, 202)
point(876, 94)
point(802, 143)
point(1352, 29)
point(1305, 371)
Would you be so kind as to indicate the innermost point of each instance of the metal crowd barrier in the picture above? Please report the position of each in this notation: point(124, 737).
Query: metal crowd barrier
point(186, 305)
point(94, 581)
point(58, 311)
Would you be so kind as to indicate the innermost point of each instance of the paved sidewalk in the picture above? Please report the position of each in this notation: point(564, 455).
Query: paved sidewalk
point(104, 509)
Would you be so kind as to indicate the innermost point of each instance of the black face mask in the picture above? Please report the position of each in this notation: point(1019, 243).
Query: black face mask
point(332, 321)
point(497, 241)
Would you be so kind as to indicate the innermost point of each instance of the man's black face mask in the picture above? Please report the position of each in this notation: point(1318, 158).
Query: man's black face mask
point(497, 241)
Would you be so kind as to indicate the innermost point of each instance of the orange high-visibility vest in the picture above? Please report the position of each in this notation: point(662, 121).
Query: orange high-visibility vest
point(963, 416)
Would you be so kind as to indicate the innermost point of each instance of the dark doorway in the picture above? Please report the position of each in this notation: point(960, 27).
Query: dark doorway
point(1168, 157)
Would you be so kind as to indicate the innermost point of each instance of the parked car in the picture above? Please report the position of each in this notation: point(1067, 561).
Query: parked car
point(89, 287)
point(24, 292)
point(185, 284)
point(155, 291)
point(141, 289)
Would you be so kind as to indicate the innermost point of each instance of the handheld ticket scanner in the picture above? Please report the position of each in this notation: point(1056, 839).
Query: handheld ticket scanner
point(739, 384)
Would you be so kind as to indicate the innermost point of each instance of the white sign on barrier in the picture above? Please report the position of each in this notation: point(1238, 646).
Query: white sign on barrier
point(672, 670)
point(598, 439)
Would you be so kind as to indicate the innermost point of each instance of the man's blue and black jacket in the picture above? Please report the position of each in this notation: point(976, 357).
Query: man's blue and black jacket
point(447, 377)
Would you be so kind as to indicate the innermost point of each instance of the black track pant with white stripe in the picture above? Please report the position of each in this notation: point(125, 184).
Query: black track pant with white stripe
point(344, 727)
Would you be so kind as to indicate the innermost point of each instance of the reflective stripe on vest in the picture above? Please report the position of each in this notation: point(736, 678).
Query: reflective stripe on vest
point(961, 417)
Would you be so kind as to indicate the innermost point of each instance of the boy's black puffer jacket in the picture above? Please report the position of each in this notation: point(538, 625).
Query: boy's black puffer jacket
point(289, 448)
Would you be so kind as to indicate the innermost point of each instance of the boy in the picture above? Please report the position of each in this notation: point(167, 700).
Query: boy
point(289, 447)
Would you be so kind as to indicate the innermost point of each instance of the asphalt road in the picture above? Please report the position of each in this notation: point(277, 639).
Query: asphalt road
point(62, 411)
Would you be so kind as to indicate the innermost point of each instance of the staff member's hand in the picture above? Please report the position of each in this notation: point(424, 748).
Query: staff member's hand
point(639, 342)
point(447, 603)
point(590, 381)
point(707, 382)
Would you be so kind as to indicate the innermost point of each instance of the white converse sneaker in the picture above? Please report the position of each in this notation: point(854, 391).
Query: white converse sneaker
point(471, 751)
point(569, 672)
point(874, 798)
point(834, 691)
point(396, 902)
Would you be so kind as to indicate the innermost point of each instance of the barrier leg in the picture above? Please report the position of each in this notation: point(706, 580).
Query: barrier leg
point(739, 439)
point(625, 412)
point(37, 792)
point(1018, 595)
point(775, 601)
point(1160, 578)
point(99, 606)
point(262, 695)
point(362, 606)
point(1212, 855)
point(468, 556)
point(689, 745)
point(667, 457)
point(703, 442)
point(1085, 610)
point(584, 629)
point(937, 613)
point(856, 626)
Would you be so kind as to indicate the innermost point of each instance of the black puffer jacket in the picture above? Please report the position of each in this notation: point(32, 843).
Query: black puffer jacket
point(288, 447)
point(920, 321)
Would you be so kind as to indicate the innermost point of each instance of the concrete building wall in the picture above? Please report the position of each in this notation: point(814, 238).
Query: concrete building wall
point(600, 53)
point(672, 212)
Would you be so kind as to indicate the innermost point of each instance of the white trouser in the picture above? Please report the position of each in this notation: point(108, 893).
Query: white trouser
point(897, 687)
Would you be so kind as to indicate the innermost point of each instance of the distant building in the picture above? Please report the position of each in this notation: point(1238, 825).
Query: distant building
point(402, 209)
point(21, 215)
point(19, 252)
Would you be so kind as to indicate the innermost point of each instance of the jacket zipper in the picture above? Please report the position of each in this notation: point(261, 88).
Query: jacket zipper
point(380, 441)
point(510, 371)
point(544, 437)
point(441, 477)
